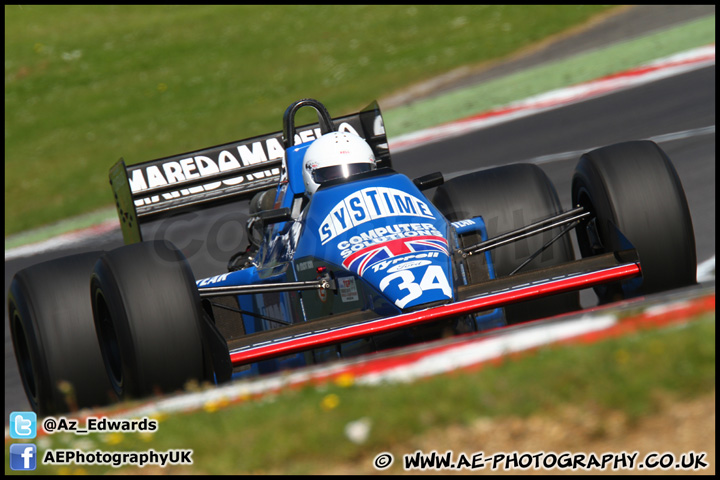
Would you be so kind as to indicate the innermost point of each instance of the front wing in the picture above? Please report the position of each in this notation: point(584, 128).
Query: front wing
point(577, 275)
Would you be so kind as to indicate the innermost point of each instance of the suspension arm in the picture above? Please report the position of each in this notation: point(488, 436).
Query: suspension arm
point(564, 218)
point(321, 284)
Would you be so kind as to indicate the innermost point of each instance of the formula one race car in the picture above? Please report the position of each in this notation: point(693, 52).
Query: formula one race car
point(346, 256)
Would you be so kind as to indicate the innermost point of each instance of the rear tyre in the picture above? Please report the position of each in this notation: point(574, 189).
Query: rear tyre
point(148, 318)
point(262, 201)
point(510, 197)
point(633, 186)
point(54, 338)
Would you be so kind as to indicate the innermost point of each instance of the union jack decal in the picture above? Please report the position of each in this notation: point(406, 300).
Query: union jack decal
point(359, 261)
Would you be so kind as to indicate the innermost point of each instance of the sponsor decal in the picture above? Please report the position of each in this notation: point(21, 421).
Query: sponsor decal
point(370, 204)
point(200, 166)
point(405, 262)
point(359, 261)
point(348, 289)
point(463, 223)
point(409, 265)
point(178, 171)
point(302, 266)
point(313, 134)
point(250, 177)
point(273, 310)
point(212, 163)
point(385, 234)
point(209, 281)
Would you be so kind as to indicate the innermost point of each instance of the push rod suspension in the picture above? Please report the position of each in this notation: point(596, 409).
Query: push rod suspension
point(570, 216)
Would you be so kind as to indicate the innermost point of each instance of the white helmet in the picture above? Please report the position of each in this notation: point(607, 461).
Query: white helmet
point(335, 155)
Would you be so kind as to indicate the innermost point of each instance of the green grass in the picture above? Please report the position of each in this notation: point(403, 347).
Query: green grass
point(292, 433)
point(580, 68)
point(85, 85)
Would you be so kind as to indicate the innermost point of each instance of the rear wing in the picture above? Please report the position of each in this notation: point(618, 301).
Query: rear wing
point(223, 173)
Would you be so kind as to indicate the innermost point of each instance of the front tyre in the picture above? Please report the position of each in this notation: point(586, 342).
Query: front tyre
point(507, 198)
point(148, 316)
point(634, 188)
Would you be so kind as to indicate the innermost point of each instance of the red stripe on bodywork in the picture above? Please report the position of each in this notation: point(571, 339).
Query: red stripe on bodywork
point(383, 325)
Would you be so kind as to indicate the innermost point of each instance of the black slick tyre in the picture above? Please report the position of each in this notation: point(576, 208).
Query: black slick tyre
point(507, 198)
point(53, 334)
point(633, 187)
point(148, 319)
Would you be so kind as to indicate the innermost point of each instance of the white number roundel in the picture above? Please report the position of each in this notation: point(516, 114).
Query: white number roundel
point(434, 278)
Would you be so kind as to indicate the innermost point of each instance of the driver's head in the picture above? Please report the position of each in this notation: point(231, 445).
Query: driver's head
point(335, 155)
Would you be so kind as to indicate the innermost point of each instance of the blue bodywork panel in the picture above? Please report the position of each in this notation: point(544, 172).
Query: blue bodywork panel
point(385, 244)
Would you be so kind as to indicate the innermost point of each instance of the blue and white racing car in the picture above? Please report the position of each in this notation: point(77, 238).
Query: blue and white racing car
point(346, 256)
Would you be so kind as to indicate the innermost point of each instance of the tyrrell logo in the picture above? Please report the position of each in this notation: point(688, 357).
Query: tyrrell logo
point(361, 260)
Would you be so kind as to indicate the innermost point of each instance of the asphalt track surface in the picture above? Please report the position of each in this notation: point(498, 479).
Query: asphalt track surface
point(677, 112)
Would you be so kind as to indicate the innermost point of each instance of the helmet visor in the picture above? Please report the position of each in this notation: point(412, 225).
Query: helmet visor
point(325, 174)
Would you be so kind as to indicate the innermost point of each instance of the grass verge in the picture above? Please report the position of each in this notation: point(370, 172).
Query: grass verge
point(571, 71)
point(87, 84)
point(302, 431)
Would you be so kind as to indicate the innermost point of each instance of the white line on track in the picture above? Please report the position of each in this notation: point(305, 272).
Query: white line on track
point(706, 270)
point(666, 67)
point(575, 154)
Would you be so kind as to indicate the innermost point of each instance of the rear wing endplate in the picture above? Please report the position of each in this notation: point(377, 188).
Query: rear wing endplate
point(223, 173)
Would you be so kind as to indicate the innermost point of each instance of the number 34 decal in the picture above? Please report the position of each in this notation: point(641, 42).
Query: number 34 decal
point(434, 278)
